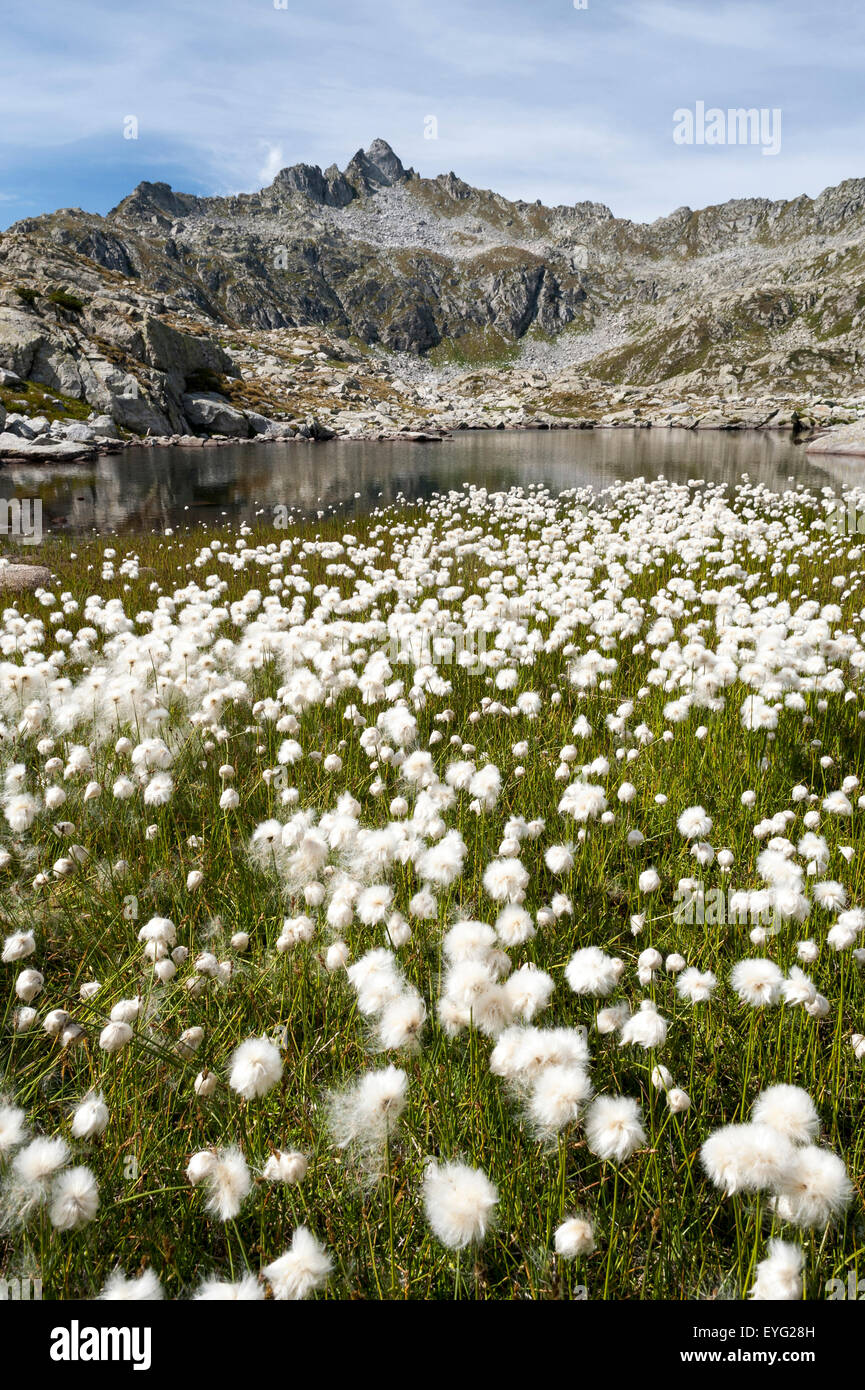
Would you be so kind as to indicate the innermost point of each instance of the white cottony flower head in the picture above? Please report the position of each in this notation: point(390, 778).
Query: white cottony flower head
point(779, 1277)
point(759, 982)
point(506, 880)
point(228, 1183)
point(574, 1237)
point(559, 859)
point(199, 1165)
point(591, 971)
point(115, 1036)
point(747, 1158)
point(401, 1022)
point(13, 1128)
point(28, 985)
point(678, 1100)
point(256, 1067)
point(142, 1288)
point(529, 990)
point(38, 1161)
point(514, 926)
point(789, 1110)
point(694, 823)
point(90, 1117)
point(459, 1202)
point(74, 1199)
point(305, 1267)
point(557, 1097)
point(697, 986)
point(289, 1167)
point(18, 946)
point(368, 1112)
point(247, 1289)
point(815, 1189)
point(646, 1028)
point(614, 1127)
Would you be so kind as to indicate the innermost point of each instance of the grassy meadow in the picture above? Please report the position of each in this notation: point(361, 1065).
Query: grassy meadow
point(682, 644)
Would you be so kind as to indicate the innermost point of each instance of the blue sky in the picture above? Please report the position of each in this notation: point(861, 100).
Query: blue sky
point(534, 98)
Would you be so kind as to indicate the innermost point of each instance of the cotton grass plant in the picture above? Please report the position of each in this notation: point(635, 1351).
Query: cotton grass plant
point(340, 951)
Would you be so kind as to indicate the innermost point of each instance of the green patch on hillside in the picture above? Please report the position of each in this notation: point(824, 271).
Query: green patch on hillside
point(480, 347)
point(668, 354)
point(35, 399)
point(63, 299)
point(570, 405)
point(835, 314)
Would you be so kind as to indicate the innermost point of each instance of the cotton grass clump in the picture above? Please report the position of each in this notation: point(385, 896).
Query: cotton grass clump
point(441, 880)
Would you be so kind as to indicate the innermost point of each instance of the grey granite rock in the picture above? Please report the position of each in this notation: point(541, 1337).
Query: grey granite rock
point(19, 578)
point(206, 411)
point(843, 439)
point(39, 451)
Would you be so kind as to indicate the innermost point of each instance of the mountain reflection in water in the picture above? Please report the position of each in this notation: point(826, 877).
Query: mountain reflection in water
point(150, 489)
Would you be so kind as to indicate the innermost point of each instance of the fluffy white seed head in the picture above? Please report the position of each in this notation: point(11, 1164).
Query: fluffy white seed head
point(256, 1067)
point(459, 1202)
point(305, 1267)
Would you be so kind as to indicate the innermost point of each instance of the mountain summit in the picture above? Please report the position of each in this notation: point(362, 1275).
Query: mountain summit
point(368, 170)
point(758, 293)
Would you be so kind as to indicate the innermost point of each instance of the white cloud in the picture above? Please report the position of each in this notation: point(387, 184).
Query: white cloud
point(272, 164)
point(532, 100)
point(785, 32)
point(732, 25)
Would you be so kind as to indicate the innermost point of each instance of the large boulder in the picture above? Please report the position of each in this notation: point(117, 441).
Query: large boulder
point(104, 427)
point(266, 428)
point(20, 340)
point(280, 429)
point(182, 355)
point(79, 433)
point(844, 439)
point(2, 417)
point(18, 578)
point(57, 364)
point(133, 411)
point(123, 398)
point(42, 451)
point(206, 411)
point(20, 425)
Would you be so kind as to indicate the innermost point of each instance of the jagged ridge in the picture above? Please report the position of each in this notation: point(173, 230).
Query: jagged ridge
point(753, 292)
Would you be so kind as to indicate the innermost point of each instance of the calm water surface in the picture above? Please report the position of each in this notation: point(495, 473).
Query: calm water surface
point(149, 489)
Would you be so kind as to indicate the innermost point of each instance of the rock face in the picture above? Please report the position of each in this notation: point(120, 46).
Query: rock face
point(172, 300)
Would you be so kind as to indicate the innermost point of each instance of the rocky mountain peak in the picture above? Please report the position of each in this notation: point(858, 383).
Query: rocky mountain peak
point(367, 172)
point(383, 157)
point(155, 202)
point(330, 189)
point(377, 167)
point(751, 292)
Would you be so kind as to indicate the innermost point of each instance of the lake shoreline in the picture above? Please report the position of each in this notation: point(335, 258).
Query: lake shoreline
point(32, 451)
point(168, 486)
